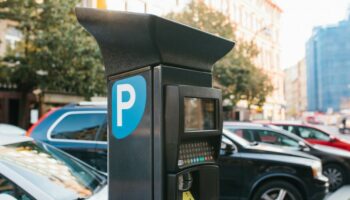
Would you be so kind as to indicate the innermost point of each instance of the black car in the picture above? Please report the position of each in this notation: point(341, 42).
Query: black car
point(336, 162)
point(259, 171)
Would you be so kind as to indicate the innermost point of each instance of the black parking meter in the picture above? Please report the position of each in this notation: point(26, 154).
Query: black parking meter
point(165, 119)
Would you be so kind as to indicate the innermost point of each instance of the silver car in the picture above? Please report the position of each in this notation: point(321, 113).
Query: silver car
point(33, 170)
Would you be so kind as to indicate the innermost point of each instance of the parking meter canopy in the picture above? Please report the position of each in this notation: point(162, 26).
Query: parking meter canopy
point(129, 41)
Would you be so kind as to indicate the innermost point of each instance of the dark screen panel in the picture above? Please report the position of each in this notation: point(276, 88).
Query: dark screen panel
point(199, 114)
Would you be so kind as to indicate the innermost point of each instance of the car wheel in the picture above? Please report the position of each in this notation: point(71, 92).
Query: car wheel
point(277, 190)
point(336, 176)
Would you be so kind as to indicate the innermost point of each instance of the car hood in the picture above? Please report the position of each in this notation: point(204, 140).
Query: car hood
point(332, 150)
point(279, 158)
point(273, 149)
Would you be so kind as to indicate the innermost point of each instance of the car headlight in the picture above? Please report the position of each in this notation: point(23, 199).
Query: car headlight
point(317, 169)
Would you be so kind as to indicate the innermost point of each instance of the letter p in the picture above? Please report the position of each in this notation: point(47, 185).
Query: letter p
point(124, 105)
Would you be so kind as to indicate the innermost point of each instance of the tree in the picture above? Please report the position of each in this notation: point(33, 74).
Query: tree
point(235, 74)
point(55, 53)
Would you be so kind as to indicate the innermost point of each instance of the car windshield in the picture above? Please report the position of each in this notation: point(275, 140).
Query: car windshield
point(50, 168)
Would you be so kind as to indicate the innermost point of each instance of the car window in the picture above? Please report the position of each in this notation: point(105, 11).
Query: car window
point(243, 133)
point(310, 133)
point(272, 137)
point(7, 187)
point(103, 133)
point(79, 126)
point(291, 129)
point(235, 138)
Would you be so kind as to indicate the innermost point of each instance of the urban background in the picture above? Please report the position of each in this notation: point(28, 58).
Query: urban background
point(48, 61)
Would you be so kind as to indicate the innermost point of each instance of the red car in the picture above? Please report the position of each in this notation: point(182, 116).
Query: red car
point(315, 135)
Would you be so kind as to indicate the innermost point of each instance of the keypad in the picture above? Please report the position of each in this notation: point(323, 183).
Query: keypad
point(197, 152)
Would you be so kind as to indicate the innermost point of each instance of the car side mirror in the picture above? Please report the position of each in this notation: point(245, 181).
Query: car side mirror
point(227, 146)
point(7, 197)
point(303, 146)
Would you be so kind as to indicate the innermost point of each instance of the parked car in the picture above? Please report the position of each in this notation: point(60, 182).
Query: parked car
point(259, 171)
point(79, 129)
point(336, 162)
point(315, 135)
point(8, 129)
point(33, 170)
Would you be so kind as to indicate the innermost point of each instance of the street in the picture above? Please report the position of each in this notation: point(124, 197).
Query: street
point(341, 194)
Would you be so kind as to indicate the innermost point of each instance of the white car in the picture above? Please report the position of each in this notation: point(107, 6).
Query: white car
point(33, 170)
point(8, 129)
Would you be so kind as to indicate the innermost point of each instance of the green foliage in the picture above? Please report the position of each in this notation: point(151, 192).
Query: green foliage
point(55, 53)
point(235, 74)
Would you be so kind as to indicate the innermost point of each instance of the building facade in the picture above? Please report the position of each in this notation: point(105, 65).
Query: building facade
point(295, 90)
point(259, 21)
point(328, 68)
point(157, 7)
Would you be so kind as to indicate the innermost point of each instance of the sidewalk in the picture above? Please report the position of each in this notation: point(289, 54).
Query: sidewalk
point(341, 194)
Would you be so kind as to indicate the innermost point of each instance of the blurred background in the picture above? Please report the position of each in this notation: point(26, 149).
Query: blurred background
point(291, 61)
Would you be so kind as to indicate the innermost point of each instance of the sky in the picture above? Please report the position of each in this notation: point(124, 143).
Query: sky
point(298, 19)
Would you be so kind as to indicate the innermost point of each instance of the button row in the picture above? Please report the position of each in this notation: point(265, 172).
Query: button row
point(195, 160)
point(196, 152)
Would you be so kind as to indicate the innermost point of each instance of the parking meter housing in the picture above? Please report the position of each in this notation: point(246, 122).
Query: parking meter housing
point(170, 144)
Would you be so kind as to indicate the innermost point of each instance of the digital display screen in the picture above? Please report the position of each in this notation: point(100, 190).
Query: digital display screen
point(199, 114)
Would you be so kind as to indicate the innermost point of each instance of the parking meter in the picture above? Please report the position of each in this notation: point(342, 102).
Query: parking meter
point(165, 119)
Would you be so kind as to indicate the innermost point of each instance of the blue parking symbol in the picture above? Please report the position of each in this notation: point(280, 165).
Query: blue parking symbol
point(128, 105)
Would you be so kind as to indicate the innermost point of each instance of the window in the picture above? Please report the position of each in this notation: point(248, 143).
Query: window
point(267, 136)
point(103, 133)
point(310, 133)
point(7, 187)
point(275, 138)
point(246, 134)
point(291, 129)
point(79, 126)
point(12, 37)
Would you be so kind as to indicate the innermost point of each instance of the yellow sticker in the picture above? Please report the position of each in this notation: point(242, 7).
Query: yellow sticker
point(187, 196)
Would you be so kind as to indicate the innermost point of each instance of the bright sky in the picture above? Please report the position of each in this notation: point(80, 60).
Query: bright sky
point(299, 18)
